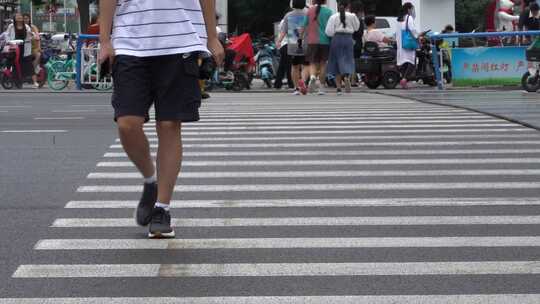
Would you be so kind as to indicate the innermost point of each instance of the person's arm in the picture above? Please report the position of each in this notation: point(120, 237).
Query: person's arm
point(280, 39)
point(283, 29)
point(107, 8)
point(412, 27)
point(522, 19)
point(330, 27)
point(10, 33)
point(214, 45)
point(356, 23)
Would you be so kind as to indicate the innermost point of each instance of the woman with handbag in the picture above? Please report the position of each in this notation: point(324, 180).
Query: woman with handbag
point(407, 43)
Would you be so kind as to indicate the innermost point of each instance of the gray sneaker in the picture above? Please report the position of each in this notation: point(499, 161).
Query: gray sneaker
point(160, 226)
point(143, 214)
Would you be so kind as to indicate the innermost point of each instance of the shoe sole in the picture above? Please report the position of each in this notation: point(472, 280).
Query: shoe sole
point(160, 235)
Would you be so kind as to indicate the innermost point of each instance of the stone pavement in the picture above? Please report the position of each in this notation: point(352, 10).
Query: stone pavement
point(513, 105)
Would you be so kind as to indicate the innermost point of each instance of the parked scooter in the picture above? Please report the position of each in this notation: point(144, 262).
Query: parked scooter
point(531, 79)
point(425, 71)
point(378, 66)
point(12, 70)
point(266, 60)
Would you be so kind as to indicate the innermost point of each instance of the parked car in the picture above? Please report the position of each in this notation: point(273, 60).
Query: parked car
point(387, 25)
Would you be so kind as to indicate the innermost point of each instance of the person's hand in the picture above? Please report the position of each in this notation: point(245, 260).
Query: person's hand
point(215, 47)
point(106, 52)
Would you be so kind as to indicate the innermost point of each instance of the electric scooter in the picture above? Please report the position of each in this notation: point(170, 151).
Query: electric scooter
point(12, 70)
point(531, 79)
point(265, 60)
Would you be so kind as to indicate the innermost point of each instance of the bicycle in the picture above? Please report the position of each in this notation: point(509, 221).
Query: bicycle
point(61, 69)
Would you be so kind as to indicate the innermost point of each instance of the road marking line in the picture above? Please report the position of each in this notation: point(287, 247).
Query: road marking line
point(34, 131)
point(308, 221)
point(312, 174)
point(105, 106)
point(281, 243)
point(360, 144)
point(322, 187)
point(58, 118)
point(352, 117)
point(276, 269)
point(2, 107)
point(72, 111)
point(420, 299)
point(348, 153)
point(291, 203)
point(341, 137)
point(373, 126)
point(311, 132)
point(340, 162)
point(345, 122)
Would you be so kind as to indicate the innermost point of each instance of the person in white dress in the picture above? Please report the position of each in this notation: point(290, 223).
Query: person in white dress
point(406, 59)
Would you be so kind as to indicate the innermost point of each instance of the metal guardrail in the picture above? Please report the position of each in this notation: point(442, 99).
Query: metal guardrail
point(435, 55)
point(80, 42)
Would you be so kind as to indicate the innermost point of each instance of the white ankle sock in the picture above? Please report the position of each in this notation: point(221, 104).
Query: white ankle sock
point(150, 180)
point(161, 205)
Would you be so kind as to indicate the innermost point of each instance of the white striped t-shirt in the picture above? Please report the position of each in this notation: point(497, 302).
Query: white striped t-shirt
point(145, 28)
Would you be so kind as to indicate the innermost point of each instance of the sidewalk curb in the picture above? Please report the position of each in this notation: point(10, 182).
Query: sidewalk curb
point(499, 116)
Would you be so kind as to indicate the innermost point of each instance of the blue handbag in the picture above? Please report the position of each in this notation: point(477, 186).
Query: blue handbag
point(408, 41)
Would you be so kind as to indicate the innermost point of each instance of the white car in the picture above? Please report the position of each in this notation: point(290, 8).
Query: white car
point(387, 25)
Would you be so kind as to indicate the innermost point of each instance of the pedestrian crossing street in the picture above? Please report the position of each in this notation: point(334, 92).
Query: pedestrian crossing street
point(357, 199)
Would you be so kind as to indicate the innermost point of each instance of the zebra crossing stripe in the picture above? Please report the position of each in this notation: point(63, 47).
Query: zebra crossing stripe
point(330, 126)
point(307, 221)
point(393, 299)
point(348, 153)
point(406, 131)
point(341, 137)
point(280, 203)
point(285, 243)
point(321, 187)
point(433, 122)
point(339, 162)
point(358, 144)
point(354, 117)
point(275, 269)
point(312, 174)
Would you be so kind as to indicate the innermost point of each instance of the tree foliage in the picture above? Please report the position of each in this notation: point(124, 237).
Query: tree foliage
point(257, 17)
point(471, 15)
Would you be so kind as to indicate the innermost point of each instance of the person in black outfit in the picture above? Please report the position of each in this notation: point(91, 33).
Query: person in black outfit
point(284, 69)
point(529, 20)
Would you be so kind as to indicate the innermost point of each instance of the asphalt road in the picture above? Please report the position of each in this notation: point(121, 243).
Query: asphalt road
point(355, 199)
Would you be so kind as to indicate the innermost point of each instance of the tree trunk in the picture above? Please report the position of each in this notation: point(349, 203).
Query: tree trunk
point(84, 11)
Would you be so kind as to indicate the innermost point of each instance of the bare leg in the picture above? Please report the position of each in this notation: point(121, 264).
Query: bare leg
point(338, 81)
point(305, 72)
point(322, 72)
point(313, 68)
point(295, 75)
point(135, 143)
point(169, 158)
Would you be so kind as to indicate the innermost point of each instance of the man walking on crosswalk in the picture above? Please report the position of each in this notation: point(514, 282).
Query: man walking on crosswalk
point(153, 50)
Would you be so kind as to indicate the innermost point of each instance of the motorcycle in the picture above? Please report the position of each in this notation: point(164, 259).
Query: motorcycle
point(12, 70)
